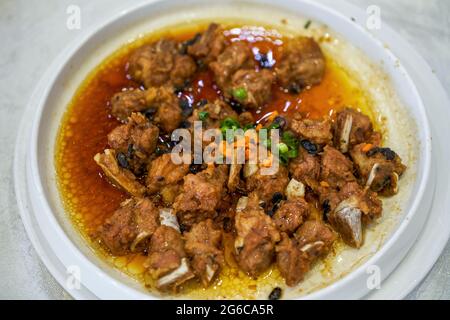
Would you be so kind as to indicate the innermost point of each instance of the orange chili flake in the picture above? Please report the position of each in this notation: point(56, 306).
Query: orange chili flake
point(367, 147)
point(324, 184)
point(272, 116)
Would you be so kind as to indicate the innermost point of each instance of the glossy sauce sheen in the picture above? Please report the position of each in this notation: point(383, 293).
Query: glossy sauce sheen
point(89, 198)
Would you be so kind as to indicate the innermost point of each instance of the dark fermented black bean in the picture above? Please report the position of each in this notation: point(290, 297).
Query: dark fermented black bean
point(275, 294)
point(281, 121)
point(122, 160)
point(388, 153)
point(326, 209)
point(130, 151)
point(294, 88)
point(149, 113)
point(227, 224)
point(310, 147)
point(277, 197)
point(195, 168)
point(186, 106)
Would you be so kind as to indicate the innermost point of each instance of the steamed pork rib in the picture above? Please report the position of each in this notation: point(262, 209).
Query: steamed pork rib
point(302, 64)
point(130, 226)
point(291, 214)
point(164, 174)
point(217, 111)
point(315, 131)
point(166, 108)
point(207, 46)
point(167, 261)
point(336, 169)
point(265, 186)
point(251, 88)
point(124, 103)
point(118, 173)
point(379, 168)
point(256, 238)
point(306, 168)
point(161, 63)
point(203, 246)
point(201, 195)
point(135, 141)
point(295, 256)
point(350, 209)
point(352, 128)
point(235, 57)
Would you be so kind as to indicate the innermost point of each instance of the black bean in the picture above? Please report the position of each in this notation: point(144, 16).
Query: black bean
point(310, 147)
point(326, 209)
point(281, 121)
point(186, 106)
point(122, 160)
point(195, 168)
point(183, 227)
point(270, 212)
point(188, 43)
point(150, 113)
point(130, 151)
point(266, 61)
point(275, 294)
point(388, 153)
point(185, 124)
point(202, 103)
point(277, 197)
point(294, 88)
point(227, 224)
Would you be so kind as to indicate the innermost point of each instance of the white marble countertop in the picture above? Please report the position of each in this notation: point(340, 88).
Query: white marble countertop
point(34, 32)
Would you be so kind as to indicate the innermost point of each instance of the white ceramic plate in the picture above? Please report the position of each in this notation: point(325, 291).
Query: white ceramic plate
point(106, 283)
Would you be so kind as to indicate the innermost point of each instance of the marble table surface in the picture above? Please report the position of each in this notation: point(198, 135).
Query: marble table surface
point(33, 32)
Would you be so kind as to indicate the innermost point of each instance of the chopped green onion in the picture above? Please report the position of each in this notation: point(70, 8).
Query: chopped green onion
point(293, 153)
point(249, 126)
point(274, 125)
point(283, 148)
point(240, 94)
point(203, 115)
point(308, 24)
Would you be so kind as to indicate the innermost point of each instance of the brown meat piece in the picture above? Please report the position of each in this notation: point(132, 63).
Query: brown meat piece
point(246, 118)
point(168, 114)
point(379, 168)
point(217, 112)
point(203, 247)
point(236, 56)
point(305, 168)
point(318, 132)
point(129, 226)
point(119, 176)
point(201, 195)
point(337, 170)
point(167, 260)
point(352, 128)
point(315, 238)
point(257, 86)
point(302, 64)
point(210, 44)
point(291, 214)
point(136, 140)
point(255, 241)
point(161, 63)
point(124, 103)
point(162, 173)
point(266, 185)
point(292, 262)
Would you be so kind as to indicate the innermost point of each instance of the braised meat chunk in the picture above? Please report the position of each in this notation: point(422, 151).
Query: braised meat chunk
point(135, 141)
point(318, 132)
point(209, 45)
point(306, 168)
point(336, 169)
point(292, 262)
point(236, 56)
point(213, 114)
point(315, 238)
point(302, 64)
point(291, 214)
point(167, 111)
point(265, 186)
point(167, 261)
point(161, 63)
point(255, 240)
point(203, 246)
point(164, 176)
point(124, 103)
point(251, 88)
point(352, 128)
point(118, 172)
point(379, 168)
point(201, 195)
point(129, 226)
